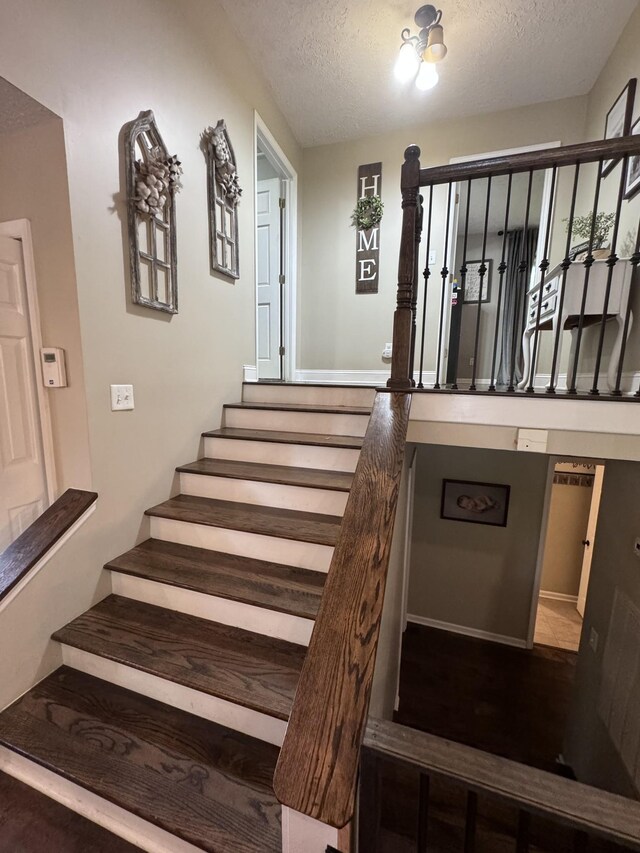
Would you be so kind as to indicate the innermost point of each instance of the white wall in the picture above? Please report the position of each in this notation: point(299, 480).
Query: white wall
point(97, 66)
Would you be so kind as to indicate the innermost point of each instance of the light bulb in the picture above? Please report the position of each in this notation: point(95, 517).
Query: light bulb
point(407, 63)
point(427, 76)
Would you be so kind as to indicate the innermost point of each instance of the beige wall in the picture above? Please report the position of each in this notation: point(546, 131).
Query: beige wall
point(339, 330)
point(567, 527)
point(589, 748)
point(33, 177)
point(476, 576)
point(98, 66)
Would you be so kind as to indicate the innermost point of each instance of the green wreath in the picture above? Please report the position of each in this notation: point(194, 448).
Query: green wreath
point(367, 213)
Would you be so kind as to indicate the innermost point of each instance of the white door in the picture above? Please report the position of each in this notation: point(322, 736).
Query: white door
point(269, 270)
point(22, 475)
point(590, 538)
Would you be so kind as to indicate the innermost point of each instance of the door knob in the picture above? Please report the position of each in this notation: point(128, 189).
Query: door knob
point(586, 542)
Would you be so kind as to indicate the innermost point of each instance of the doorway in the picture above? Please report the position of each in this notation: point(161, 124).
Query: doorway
point(568, 548)
point(275, 241)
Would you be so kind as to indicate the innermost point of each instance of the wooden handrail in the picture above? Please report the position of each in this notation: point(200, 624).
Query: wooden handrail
point(547, 158)
point(318, 766)
point(31, 546)
point(573, 804)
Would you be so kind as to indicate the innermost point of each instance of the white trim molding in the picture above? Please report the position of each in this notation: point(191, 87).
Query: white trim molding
point(558, 596)
point(375, 378)
point(249, 373)
point(468, 632)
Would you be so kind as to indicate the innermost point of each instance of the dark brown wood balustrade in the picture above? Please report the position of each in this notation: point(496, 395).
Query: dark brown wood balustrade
point(569, 294)
point(318, 766)
point(32, 545)
point(587, 812)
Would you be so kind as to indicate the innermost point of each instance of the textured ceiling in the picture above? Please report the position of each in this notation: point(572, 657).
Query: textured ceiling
point(330, 62)
point(19, 111)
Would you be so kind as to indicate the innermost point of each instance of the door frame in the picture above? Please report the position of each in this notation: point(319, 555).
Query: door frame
point(20, 229)
point(264, 138)
point(453, 232)
point(544, 526)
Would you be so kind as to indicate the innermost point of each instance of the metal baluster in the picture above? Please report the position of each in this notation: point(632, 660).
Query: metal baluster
point(416, 278)
point(369, 802)
point(544, 266)
point(501, 270)
point(444, 273)
point(524, 826)
point(426, 274)
point(423, 813)
point(482, 272)
point(588, 263)
point(580, 841)
point(522, 268)
point(566, 263)
point(463, 280)
point(612, 260)
point(470, 822)
point(635, 260)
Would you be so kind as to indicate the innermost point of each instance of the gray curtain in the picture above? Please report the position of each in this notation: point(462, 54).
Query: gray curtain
point(521, 247)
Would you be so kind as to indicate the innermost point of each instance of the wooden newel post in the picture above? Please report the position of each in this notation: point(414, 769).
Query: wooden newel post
point(403, 318)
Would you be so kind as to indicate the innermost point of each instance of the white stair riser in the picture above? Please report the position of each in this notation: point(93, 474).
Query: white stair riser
point(310, 395)
point(314, 422)
point(289, 552)
point(270, 452)
point(117, 820)
point(260, 620)
point(237, 717)
point(264, 494)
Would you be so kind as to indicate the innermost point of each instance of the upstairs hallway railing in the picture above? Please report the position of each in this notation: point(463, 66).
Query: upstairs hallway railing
point(554, 287)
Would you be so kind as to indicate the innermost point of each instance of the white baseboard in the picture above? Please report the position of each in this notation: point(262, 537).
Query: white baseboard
point(249, 373)
point(358, 377)
point(468, 632)
point(558, 596)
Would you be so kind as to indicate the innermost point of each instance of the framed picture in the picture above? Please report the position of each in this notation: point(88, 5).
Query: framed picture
point(632, 181)
point(476, 503)
point(618, 121)
point(472, 282)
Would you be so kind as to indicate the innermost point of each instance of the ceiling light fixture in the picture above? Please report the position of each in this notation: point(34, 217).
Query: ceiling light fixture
point(419, 54)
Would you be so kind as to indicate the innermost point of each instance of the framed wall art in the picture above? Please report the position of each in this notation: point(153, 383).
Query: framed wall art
point(632, 180)
point(618, 121)
point(224, 194)
point(152, 180)
point(476, 503)
point(472, 282)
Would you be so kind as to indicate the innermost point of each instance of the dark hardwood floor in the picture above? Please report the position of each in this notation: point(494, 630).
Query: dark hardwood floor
point(507, 701)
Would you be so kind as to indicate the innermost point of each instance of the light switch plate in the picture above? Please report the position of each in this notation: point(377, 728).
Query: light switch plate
point(121, 398)
point(432, 257)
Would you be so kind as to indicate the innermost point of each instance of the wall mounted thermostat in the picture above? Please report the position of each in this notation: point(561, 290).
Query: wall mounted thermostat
point(54, 372)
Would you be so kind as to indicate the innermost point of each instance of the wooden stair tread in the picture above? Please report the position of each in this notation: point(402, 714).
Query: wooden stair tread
point(315, 408)
point(350, 442)
point(248, 669)
point(312, 527)
point(199, 781)
point(312, 478)
point(258, 582)
point(336, 385)
point(31, 822)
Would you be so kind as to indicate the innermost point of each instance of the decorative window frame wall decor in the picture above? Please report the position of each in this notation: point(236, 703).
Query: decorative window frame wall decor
point(224, 194)
point(152, 179)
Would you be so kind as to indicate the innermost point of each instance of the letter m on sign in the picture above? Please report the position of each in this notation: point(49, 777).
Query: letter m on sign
point(368, 242)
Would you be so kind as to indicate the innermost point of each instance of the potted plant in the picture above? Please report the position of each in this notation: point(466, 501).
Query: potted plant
point(583, 226)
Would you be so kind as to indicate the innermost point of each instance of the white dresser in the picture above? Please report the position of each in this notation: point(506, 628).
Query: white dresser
point(552, 317)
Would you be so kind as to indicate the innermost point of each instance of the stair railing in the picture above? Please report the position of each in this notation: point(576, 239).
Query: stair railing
point(543, 805)
point(317, 771)
point(558, 289)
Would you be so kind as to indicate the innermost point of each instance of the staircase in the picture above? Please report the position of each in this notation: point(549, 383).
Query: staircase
point(165, 721)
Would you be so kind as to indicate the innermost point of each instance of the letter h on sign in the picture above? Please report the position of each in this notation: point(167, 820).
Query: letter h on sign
point(368, 241)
